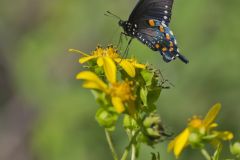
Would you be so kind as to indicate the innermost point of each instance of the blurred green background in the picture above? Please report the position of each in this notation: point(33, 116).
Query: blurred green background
point(46, 115)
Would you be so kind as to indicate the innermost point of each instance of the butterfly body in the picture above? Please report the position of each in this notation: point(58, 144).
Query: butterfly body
point(148, 23)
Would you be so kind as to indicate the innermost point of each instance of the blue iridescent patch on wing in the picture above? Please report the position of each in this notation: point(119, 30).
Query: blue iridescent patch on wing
point(158, 36)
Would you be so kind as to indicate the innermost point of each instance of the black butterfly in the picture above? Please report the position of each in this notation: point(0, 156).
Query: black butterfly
point(148, 23)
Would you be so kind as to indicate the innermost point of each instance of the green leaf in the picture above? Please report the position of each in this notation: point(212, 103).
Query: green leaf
point(143, 95)
point(98, 70)
point(101, 98)
point(147, 76)
point(155, 156)
point(209, 137)
point(216, 154)
point(150, 108)
point(153, 95)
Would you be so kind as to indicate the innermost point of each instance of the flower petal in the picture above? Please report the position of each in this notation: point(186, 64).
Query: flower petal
point(171, 145)
point(225, 135)
point(92, 85)
point(181, 141)
point(213, 125)
point(85, 59)
point(91, 78)
point(228, 135)
point(77, 51)
point(211, 115)
point(128, 67)
point(138, 65)
point(110, 69)
point(118, 104)
point(100, 61)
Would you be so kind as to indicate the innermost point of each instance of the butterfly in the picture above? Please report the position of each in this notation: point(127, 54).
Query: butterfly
point(148, 23)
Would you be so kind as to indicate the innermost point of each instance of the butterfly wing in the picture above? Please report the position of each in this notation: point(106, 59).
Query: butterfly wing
point(160, 38)
point(148, 23)
point(151, 37)
point(155, 40)
point(152, 9)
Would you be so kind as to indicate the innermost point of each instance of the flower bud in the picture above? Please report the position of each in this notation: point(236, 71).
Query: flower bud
point(235, 149)
point(106, 118)
point(129, 123)
point(195, 140)
point(153, 127)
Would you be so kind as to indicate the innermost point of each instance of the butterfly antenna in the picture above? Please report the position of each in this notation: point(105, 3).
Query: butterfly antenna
point(111, 14)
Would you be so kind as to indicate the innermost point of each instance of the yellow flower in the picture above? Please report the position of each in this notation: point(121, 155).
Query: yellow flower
point(107, 58)
point(92, 81)
point(198, 126)
point(119, 92)
point(179, 142)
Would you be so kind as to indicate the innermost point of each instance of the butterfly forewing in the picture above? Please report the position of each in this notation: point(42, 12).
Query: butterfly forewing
point(152, 9)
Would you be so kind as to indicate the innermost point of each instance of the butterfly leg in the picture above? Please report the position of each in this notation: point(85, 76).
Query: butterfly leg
point(127, 48)
point(119, 45)
point(163, 80)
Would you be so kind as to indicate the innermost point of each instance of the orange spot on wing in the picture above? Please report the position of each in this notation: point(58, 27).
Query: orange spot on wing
point(167, 36)
point(161, 28)
point(164, 49)
point(151, 22)
point(157, 46)
point(171, 44)
point(171, 49)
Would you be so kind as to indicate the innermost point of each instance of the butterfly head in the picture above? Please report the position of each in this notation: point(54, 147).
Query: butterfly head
point(122, 23)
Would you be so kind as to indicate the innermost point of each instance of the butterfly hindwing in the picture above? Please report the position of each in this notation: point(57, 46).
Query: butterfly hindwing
point(151, 37)
point(157, 36)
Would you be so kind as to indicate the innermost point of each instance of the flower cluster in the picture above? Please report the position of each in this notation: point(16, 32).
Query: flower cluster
point(105, 60)
point(200, 132)
point(123, 86)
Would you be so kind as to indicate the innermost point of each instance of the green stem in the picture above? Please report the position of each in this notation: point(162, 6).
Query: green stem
point(133, 157)
point(125, 154)
point(109, 140)
point(127, 149)
point(206, 154)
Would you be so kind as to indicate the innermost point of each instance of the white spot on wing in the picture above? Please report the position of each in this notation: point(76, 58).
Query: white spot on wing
point(163, 24)
point(175, 41)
